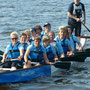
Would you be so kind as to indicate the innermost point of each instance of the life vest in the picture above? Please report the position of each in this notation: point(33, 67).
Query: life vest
point(77, 10)
point(54, 43)
point(25, 47)
point(65, 47)
point(37, 54)
point(13, 52)
point(73, 42)
point(31, 41)
point(50, 54)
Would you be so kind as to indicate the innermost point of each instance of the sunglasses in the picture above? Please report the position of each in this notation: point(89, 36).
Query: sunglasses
point(14, 38)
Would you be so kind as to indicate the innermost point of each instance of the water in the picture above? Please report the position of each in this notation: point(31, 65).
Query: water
point(17, 15)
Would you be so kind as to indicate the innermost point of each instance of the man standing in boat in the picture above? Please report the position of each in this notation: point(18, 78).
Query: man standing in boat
point(75, 12)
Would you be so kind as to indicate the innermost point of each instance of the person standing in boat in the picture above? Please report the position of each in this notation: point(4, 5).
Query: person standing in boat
point(28, 33)
point(64, 42)
point(75, 12)
point(35, 53)
point(51, 52)
point(73, 39)
point(47, 29)
point(13, 52)
point(57, 45)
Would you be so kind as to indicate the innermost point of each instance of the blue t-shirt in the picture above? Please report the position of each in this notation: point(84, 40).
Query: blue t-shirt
point(75, 40)
point(72, 44)
point(66, 42)
point(59, 48)
point(52, 49)
point(33, 48)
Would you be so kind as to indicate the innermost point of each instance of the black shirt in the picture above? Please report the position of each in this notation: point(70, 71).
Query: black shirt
point(75, 10)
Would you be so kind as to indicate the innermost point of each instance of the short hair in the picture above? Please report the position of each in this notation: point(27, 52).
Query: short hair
point(27, 31)
point(45, 38)
point(38, 27)
point(37, 37)
point(23, 34)
point(68, 26)
point(52, 32)
point(14, 33)
point(61, 28)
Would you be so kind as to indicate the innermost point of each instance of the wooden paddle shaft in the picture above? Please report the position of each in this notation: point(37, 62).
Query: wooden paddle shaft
point(84, 36)
point(85, 26)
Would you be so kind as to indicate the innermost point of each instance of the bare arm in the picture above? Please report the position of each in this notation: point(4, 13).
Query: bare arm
point(21, 54)
point(26, 55)
point(71, 16)
point(62, 55)
point(4, 57)
point(55, 57)
point(84, 14)
point(70, 52)
point(80, 47)
point(46, 59)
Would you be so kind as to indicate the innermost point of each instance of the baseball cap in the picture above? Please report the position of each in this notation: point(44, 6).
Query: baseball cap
point(33, 29)
point(47, 24)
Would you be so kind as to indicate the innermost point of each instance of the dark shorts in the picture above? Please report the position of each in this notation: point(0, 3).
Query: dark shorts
point(76, 27)
point(10, 64)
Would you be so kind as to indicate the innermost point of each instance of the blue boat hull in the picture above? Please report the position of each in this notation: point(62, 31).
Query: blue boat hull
point(25, 74)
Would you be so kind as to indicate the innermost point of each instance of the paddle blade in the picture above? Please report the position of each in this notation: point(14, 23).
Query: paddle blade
point(77, 57)
point(0, 58)
point(88, 52)
point(1, 52)
point(62, 65)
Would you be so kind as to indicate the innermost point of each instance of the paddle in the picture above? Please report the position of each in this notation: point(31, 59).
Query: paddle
point(76, 57)
point(58, 64)
point(1, 52)
point(85, 26)
point(0, 58)
point(84, 36)
point(13, 60)
point(62, 65)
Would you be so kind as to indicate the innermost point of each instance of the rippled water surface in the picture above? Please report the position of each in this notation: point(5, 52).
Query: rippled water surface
point(17, 15)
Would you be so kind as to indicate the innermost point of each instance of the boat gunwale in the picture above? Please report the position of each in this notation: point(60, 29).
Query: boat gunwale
point(7, 71)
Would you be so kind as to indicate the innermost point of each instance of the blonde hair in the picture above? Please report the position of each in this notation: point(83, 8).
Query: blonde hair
point(14, 33)
point(27, 31)
point(61, 28)
point(45, 38)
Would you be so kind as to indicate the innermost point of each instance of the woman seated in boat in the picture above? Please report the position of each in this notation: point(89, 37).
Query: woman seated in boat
point(35, 53)
point(57, 45)
point(64, 42)
point(23, 45)
point(13, 52)
point(39, 30)
point(51, 52)
point(73, 39)
point(28, 33)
